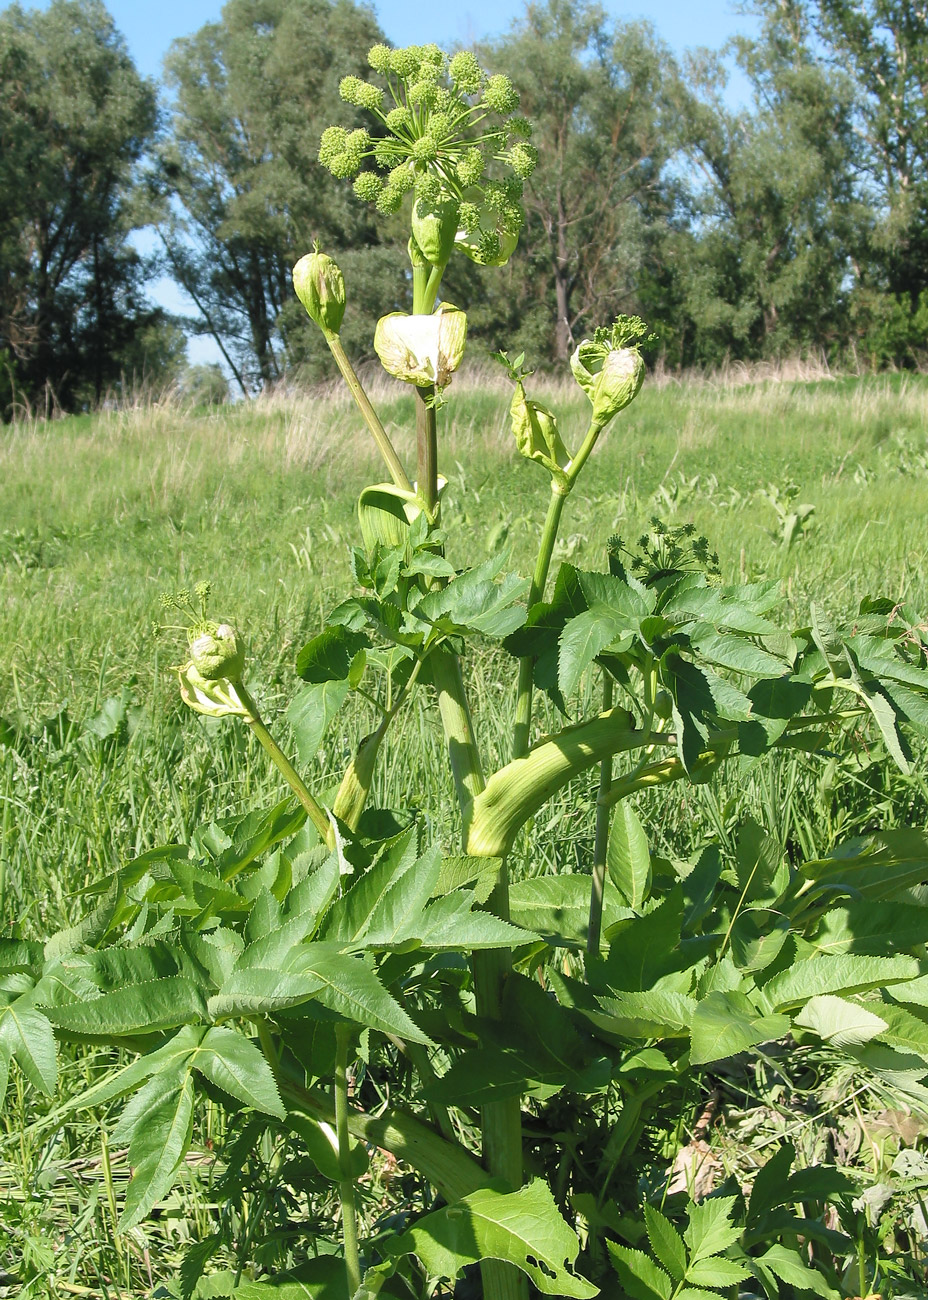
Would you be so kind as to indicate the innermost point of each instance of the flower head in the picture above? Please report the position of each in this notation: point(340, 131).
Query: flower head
point(424, 349)
point(451, 124)
point(609, 367)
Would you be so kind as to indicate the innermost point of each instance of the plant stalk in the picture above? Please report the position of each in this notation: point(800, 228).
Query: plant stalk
point(600, 839)
point(522, 726)
point(314, 809)
point(426, 450)
point(371, 418)
point(346, 1183)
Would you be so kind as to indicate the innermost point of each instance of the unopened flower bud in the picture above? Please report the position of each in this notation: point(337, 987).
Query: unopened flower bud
point(610, 377)
point(216, 699)
point(536, 434)
point(434, 227)
point(422, 349)
point(216, 651)
point(320, 287)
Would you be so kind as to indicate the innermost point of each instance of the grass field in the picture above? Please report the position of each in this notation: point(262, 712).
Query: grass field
point(102, 513)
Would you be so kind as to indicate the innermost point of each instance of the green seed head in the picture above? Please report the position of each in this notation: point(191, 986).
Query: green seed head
point(320, 287)
point(466, 73)
point(361, 93)
point(368, 185)
point(500, 95)
point(378, 56)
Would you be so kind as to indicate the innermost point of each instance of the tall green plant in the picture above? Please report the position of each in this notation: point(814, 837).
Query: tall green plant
point(286, 956)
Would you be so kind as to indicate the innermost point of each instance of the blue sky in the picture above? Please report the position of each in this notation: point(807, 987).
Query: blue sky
point(149, 29)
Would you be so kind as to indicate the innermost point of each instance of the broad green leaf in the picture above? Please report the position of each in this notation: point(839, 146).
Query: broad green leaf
point(450, 925)
point(842, 973)
point(378, 890)
point(628, 858)
point(581, 641)
point(558, 907)
point(147, 1008)
point(322, 1278)
point(717, 1271)
point(645, 1015)
point(870, 928)
point(639, 1276)
point(877, 865)
point(464, 870)
point(726, 1023)
point(310, 713)
point(666, 1242)
point(882, 709)
point(524, 1228)
point(838, 1021)
point(392, 919)
point(790, 1268)
point(233, 1063)
point(903, 1029)
point(710, 1230)
point(734, 652)
point(305, 904)
point(759, 864)
point(27, 1035)
point(770, 1184)
point(328, 656)
point(354, 991)
point(156, 1151)
point(259, 991)
point(170, 1058)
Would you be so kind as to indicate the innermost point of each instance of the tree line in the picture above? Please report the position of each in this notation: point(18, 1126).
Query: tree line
point(797, 223)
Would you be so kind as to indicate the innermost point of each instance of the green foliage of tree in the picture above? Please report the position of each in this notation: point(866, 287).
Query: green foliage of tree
point(603, 97)
point(253, 93)
point(763, 264)
point(75, 119)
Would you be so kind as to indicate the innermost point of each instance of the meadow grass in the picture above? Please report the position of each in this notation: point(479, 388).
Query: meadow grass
point(101, 513)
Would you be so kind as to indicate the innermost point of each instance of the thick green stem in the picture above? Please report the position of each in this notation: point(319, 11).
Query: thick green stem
point(346, 1181)
point(522, 726)
point(296, 783)
point(600, 840)
point(426, 450)
point(451, 1170)
point(500, 1121)
point(371, 418)
point(518, 790)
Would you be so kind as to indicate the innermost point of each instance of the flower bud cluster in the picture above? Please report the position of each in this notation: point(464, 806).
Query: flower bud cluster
point(447, 124)
point(609, 367)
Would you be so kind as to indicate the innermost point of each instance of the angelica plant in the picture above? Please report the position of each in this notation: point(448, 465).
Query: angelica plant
point(285, 957)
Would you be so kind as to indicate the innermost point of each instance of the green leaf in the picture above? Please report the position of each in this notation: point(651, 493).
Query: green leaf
point(639, 1276)
point(450, 925)
point(877, 865)
point(380, 891)
point(841, 973)
point(581, 641)
point(147, 1008)
point(734, 652)
point(710, 1230)
point(27, 1036)
point(769, 1187)
point(523, 1228)
point(871, 928)
point(156, 1152)
point(464, 870)
point(558, 907)
point(882, 709)
point(645, 1015)
point(322, 1278)
point(327, 657)
point(233, 1063)
point(759, 864)
point(666, 1242)
point(839, 1022)
point(628, 858)
point(354, 991)
point(717, 1271)
point(904, 1030)
point(789, 1268)
point(310, 712)
point(393, 918)
point(256, 990)
point(726, 1023)
point(170, 1058)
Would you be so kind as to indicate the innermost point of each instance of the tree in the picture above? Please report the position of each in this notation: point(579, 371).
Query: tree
point(765, 264)
point(75, 119)
point(603, 99)
point(253, 93)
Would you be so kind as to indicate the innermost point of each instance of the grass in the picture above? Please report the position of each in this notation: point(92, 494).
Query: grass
point(100, 762)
